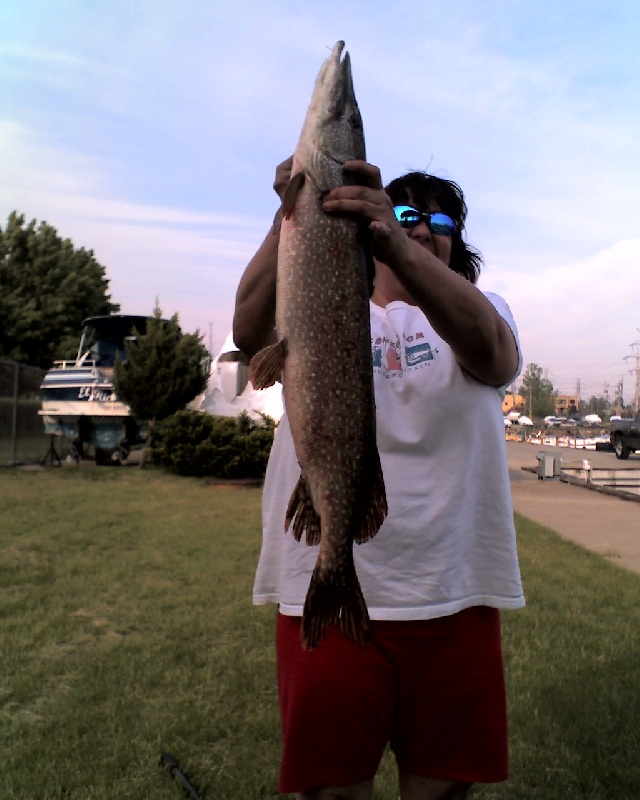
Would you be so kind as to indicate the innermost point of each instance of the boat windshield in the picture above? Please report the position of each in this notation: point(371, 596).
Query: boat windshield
point(103, 339)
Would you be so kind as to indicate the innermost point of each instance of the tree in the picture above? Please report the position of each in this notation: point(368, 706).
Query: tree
point(163, 372)
point(538, 392)
point(47, 287)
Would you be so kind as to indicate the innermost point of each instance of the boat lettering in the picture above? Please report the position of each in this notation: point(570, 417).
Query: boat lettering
point(94, 395)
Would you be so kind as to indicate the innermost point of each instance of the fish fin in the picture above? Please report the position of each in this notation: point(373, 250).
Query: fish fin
point(376, 507)
point(336, 599)
point(364, 242)
point(290, 194)
point(265, 368)
point(301, 512)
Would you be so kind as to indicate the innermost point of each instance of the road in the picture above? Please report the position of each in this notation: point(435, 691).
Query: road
point(605, 524)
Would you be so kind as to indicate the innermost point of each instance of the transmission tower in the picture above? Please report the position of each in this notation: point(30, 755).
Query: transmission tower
point(606, 396)
point(635, 371)
point(619, 397)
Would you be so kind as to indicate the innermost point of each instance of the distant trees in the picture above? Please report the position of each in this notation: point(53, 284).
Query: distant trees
point(538, 392)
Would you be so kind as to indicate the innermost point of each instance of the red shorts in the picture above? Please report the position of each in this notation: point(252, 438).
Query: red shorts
point(434, 689)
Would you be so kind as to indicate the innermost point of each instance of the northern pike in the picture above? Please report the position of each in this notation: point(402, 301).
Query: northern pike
point(323, 357)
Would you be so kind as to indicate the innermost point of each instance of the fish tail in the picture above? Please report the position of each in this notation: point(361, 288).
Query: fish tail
point(332, 600)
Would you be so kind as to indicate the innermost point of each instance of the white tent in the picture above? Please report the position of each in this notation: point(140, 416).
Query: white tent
point(229, 391)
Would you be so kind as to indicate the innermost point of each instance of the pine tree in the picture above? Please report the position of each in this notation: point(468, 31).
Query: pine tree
point(163, 372)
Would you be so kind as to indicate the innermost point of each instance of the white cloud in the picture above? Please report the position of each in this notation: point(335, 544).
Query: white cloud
point(577, 320)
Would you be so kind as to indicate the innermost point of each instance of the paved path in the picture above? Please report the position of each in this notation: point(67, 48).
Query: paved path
point(605, 524)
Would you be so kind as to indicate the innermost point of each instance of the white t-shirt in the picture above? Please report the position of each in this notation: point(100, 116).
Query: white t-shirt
point(448, 541)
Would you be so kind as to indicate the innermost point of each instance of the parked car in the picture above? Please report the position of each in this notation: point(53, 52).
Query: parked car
point(625, 436)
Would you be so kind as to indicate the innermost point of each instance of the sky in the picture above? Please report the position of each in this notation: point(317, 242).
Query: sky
point(149, 131)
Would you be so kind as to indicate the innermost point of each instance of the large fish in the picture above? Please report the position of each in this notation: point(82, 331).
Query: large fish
point(323, 358)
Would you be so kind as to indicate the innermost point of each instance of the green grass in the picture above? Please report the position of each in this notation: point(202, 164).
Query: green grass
point(127, 630)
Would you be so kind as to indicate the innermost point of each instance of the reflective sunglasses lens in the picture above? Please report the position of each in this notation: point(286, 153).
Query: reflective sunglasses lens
point(407, 217)
point(441, 224)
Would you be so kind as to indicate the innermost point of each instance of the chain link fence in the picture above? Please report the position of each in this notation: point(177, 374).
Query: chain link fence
point(22, 437)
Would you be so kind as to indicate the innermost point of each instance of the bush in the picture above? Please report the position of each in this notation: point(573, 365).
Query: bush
point(197, 444)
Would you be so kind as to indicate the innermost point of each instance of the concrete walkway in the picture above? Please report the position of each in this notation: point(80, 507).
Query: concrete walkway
point(603, 523)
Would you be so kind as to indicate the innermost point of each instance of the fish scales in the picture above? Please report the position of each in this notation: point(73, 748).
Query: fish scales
point(323, 357)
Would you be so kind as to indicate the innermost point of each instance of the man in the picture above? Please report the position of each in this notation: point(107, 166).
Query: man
point(445, 560)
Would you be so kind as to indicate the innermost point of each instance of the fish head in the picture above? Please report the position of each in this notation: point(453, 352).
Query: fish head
point(333, 132)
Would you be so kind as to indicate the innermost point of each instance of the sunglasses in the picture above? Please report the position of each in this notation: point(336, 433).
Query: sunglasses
point(438, 223)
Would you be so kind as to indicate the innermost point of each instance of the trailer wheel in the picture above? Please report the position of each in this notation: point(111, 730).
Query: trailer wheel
point(106, 458)
point(620, 448)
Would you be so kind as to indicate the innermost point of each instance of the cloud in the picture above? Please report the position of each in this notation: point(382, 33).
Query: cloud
point(577, 320)
point(191, 260)
point(151, 135)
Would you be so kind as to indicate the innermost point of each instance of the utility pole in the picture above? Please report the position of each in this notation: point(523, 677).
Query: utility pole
point(636, 370)
point(619, 396)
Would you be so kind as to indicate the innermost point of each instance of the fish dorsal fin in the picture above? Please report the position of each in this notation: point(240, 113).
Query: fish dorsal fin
point(265, 368)
point(290, 194)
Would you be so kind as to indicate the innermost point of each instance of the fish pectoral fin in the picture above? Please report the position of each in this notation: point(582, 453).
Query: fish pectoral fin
point(334, 598)
point(364, 241)
point(302, 513)
point(265, 368)
point(290, 194)
point(377, 508)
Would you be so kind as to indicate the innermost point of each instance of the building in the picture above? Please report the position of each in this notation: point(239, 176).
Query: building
point(567, 405)
point(512, 402)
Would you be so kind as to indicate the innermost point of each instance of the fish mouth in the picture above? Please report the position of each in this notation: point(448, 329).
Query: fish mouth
point(336, 51)
point(338, 80)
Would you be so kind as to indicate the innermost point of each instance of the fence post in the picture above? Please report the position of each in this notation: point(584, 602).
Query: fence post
point(14, 426)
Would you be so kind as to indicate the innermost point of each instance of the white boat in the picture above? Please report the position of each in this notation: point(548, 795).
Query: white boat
point(79, 401)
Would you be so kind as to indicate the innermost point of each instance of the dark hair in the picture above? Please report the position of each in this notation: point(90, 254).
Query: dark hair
point(421, 189)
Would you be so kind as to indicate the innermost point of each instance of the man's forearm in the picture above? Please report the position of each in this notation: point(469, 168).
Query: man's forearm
point(255, 310)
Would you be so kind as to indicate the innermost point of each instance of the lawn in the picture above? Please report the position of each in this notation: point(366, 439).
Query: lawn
point(127, 630)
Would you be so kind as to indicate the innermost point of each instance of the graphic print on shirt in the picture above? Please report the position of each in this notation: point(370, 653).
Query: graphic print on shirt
point(387, 353)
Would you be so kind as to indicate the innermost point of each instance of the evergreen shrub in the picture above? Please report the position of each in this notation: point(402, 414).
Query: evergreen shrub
point(197, 444)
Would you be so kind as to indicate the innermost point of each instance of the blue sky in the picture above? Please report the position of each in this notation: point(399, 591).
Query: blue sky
point(149, 131)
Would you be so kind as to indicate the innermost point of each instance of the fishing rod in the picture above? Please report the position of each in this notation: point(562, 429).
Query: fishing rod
point(168, 761)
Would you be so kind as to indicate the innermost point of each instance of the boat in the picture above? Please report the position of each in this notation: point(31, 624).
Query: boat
point(79, 401)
